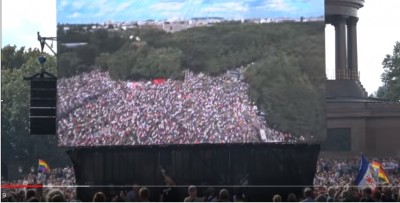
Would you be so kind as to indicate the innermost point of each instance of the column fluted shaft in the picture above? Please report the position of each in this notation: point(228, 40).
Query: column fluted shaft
point(340, 50)
point(352, 47)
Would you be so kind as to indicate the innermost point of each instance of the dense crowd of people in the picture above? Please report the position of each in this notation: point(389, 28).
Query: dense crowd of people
point(143, 194)
point(95, 110)
point(62, 179)
point(334, 181)
point(331, 172)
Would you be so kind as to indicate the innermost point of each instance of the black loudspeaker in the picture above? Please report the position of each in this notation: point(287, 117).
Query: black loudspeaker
point(43, 106)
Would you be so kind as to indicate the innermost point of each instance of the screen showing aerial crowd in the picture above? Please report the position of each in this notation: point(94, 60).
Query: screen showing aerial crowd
point(190, 72)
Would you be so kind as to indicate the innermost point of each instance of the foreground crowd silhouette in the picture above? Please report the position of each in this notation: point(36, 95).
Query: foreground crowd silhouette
point(333, 182)
point(95, 110)
point(56, 178)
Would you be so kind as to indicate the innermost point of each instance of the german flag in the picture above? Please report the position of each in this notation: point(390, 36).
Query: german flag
point(379, 170)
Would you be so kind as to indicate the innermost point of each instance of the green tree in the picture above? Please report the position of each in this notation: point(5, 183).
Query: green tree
point(290, 100)
point(102, 61)
point(68, 63)
point(164, 62)
point(17, 145)
point(391, 76)
point(11, 57)
point(14, 58)
point(381, 92)
point(120, 64)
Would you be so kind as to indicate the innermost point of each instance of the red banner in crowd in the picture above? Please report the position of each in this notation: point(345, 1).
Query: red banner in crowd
point(158, 81)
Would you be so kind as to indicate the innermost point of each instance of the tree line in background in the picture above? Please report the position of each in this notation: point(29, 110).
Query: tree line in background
point(287, 81)
point(17, 145)
point(391, 76)
point(215, 49)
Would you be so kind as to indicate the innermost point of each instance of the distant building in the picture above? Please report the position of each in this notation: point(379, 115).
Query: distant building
point(175, 26)
point(205, 21)
point(66, 29)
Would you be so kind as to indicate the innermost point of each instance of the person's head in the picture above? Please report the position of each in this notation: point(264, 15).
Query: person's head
point(345, 194)
point(308, 193)
point(30, 193)
point(39, 192)
point(192, 191)
point(321, 198)
point(387, 192)
point(99, 197)
point(58, 198)
point(376, 195)
point(366, 192)
point(239, 196)
point(21, 195)
point(144, 194)
point(136, 188)
point(33, 199)
point(55, 195)
point(395, 191)
point(210, 191)
point(331, 191)
point(13, 197)
point(224, 195)
point(277, 198)
point(292, 198)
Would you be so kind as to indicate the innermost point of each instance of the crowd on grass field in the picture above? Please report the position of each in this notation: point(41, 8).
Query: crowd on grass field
point(334, 181)
point(93, 109)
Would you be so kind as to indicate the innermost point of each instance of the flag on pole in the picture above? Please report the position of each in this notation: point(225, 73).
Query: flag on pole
point(43, 166)
point(364, 177)
point(378, 169)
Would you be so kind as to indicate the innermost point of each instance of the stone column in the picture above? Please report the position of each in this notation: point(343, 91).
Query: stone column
point(352, 47)
point(340, 48)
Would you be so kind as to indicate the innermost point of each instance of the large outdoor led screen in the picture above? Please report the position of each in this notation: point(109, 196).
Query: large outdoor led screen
point(165, 72)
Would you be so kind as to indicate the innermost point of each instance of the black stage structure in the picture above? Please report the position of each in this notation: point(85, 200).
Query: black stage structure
point(258, 170)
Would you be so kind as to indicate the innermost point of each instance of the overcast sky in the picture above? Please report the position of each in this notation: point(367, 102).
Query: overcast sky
point(377, 28)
